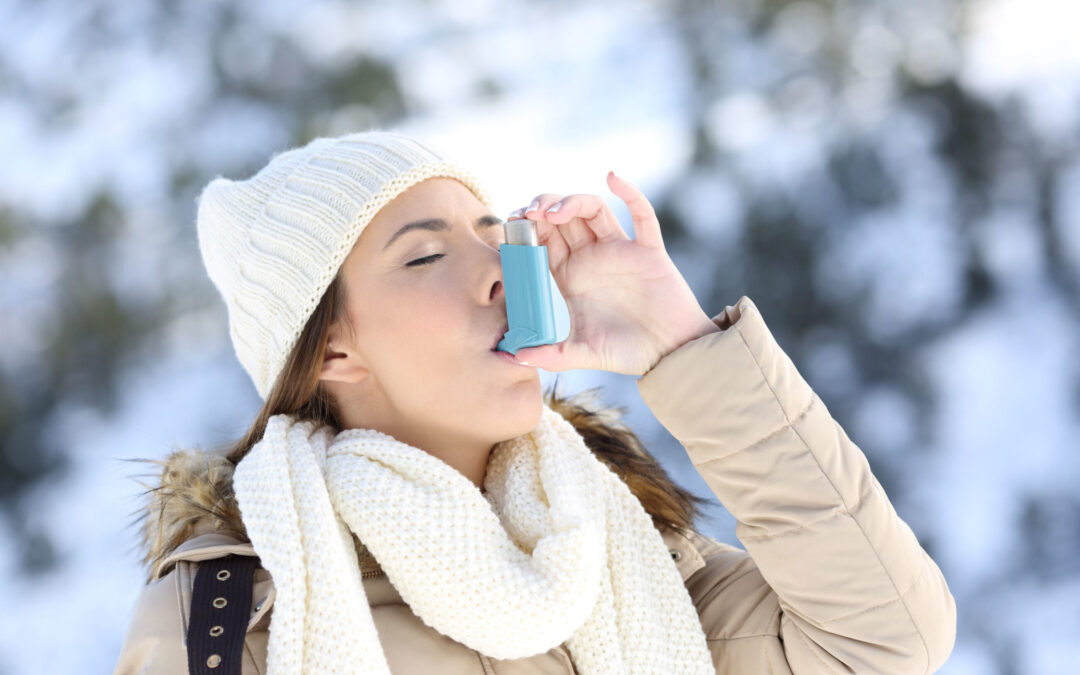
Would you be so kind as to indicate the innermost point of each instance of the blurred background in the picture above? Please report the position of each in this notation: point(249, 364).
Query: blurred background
point(895, 184)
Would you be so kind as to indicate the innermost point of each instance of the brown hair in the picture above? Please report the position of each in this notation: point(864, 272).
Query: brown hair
point(298, 390)
point(182, 496)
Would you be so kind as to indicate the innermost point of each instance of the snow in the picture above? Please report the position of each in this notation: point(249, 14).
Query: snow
point(586, 90)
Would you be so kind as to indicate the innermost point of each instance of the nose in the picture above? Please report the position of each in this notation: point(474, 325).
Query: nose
point(496, 291)
point(491, 285)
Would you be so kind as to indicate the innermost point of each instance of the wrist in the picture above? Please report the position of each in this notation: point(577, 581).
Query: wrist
point(701, 326)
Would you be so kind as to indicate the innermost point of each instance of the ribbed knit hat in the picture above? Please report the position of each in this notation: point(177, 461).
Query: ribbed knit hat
point(273, 243)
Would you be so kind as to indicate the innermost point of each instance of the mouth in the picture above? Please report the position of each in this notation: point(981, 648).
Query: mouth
point(499, 337)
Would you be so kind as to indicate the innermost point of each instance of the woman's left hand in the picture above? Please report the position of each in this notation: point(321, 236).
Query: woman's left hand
point(628, 304)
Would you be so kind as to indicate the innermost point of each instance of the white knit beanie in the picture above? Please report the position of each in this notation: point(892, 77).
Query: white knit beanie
point(273, 243)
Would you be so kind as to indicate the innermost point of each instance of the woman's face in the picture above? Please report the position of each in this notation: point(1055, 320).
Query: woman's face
point(425, 307)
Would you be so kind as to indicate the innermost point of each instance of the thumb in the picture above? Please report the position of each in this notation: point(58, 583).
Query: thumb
point(549, 357)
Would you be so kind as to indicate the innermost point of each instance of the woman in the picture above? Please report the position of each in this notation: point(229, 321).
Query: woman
point(414, 504)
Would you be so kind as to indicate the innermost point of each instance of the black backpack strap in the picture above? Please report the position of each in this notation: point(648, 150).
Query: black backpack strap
point(220, 611)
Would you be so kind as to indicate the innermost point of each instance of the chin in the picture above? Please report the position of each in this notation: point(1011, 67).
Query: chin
point(519, 416)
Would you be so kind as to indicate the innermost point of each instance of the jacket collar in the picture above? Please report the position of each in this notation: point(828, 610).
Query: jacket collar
point(210, 545)
point(684, 552)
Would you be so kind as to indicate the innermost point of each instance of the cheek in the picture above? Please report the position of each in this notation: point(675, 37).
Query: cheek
point(426, 324)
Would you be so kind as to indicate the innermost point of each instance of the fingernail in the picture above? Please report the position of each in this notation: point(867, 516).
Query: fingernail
point(532, 207)
point(519, 212)
point(555, 207)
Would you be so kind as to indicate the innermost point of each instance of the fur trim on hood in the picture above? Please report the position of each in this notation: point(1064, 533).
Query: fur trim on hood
point(194, 493)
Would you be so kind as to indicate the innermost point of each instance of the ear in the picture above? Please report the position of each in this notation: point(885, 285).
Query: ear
point(341, 362)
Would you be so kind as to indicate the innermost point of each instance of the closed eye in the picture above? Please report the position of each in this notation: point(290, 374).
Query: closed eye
point(426, 260)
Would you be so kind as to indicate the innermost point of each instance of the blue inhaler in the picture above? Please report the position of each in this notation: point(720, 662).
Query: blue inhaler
point(529, 313)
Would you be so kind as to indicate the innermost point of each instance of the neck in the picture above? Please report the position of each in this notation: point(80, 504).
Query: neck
point(469, 456)
point(469, 460)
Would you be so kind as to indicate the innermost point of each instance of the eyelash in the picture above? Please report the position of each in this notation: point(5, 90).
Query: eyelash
point(421, 261)
point(426, 260)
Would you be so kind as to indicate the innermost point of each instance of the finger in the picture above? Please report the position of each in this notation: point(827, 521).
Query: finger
point(570, 237)
point(557, 247)
point(593, 212)
point(547, 234)
point(575, 230)
point(541, 203)
point(555, 358)
point(646, 226)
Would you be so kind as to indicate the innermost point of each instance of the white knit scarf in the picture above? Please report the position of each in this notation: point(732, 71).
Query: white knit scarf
point(558, 550)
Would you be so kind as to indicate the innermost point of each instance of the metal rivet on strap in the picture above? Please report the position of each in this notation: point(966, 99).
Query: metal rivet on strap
point(675, 555)
point(216, 626)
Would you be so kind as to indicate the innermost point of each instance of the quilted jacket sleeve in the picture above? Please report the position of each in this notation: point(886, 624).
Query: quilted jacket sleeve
point(829, 569)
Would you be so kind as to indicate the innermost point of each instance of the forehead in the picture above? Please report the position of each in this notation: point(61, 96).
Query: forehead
point(438, 197)
point(432, 197)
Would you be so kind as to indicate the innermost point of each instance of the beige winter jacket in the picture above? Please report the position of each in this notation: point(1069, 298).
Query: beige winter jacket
point(831, 581)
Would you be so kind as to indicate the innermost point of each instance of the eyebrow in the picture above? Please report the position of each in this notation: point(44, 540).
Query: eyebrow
point(438, 225)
